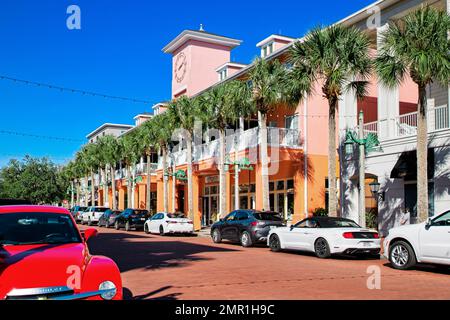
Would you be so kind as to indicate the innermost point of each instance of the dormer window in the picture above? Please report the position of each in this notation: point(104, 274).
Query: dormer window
point(223, 74)
point(267, 50)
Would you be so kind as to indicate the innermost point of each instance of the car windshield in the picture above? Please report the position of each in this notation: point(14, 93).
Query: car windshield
point(139, 212)
point(176, 215)
point(337, 223)
point(267, 216)
point(37, 228)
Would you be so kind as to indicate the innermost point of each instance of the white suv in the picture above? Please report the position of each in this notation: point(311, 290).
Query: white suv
point(92, 215)
point(427, 242)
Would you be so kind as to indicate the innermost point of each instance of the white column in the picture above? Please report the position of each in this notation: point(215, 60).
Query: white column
point(348, 116)
point(388, 102)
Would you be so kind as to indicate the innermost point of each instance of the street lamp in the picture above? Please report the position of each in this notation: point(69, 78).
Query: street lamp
point(375, 189)
point(366, 144)
point(239, 165)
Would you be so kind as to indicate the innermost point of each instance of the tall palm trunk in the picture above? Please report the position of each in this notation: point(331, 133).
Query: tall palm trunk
point(113, 186)
point(93, 188)
point(72, 193)
point(263, 154)
point(105, 186)
point(149, 183)
point(165, 181)
point(77, 182)
point(133, 187)
point(332, 198)
point(190, 178)
point(129, 186)
point(222, 175)
point(422, 157)
point(86, 191)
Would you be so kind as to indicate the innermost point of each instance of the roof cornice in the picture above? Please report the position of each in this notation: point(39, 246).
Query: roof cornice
point(187, 35)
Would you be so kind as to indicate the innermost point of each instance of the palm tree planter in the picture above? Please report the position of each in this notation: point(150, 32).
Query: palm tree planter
point(338, 58)
point(418, 46)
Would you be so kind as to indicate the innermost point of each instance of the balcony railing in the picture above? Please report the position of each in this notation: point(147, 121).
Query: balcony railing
point(240, 141)
point(437, 118)
point(141, 168)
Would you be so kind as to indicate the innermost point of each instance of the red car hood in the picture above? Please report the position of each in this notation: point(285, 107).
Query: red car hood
point(25, 267)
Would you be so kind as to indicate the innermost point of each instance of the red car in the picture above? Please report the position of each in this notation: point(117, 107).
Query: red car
point(43, 256)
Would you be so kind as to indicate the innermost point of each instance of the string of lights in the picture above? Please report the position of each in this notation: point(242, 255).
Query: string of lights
point(29, 135)
point(71, 90)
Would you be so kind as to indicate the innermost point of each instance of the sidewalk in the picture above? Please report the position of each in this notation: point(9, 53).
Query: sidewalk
point(204, 232)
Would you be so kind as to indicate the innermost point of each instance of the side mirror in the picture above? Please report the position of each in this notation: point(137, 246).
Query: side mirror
point(429, 224)
point(291, 228)
point(89, 233)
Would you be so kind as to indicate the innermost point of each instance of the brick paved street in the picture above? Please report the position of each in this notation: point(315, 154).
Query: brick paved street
point(174, 267)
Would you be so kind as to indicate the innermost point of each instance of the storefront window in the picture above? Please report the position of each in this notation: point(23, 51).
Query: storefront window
point(280, 185)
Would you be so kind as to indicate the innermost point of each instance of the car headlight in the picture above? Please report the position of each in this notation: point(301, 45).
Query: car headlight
point(110, 288)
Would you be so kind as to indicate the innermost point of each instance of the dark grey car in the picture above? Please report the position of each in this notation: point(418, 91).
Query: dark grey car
point(245, 226)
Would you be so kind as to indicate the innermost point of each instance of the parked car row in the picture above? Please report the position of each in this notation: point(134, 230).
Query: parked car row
point(405, 246)
point(160, 223)
point(322, 235)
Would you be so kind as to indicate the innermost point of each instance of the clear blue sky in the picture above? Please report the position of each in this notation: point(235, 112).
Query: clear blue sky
point(118, 52)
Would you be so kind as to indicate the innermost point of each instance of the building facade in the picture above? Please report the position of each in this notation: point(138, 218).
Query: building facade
point(298, 139)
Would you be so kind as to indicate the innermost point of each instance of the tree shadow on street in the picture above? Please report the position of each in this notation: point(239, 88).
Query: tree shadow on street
point(132, 251)
point(128, 295)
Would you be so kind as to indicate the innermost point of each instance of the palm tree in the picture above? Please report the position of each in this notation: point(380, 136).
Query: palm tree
point(338, 59)
point(68, 172)
point(93, 162)
point(130, 152)
point(163, 124)
point(111, 153)
point(267, 80)
point(183, 112)
point(103, 163)
point(147, 137)
point(81, 159)
point(220, 107)
point(417, 45)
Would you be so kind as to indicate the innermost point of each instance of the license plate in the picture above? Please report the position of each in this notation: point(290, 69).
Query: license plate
point(142, 219)
point(367, 244)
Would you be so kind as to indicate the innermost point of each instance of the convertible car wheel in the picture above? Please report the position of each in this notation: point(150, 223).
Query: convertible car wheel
point(402, 256)
point(274, 243)
point(116, 225)
point(322, 249)
point(161, 230)
point(127, 226)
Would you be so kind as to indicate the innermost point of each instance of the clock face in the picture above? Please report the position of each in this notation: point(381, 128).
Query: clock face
point(180, 67)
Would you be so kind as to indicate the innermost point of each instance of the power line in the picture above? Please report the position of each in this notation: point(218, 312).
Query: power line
point(29, 135)
point(71, 90)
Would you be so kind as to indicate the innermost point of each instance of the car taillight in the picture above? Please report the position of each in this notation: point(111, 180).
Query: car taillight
point(190, 222)
point(349, 235)
point(172, 222)
point(254, 223)
point(376, 236)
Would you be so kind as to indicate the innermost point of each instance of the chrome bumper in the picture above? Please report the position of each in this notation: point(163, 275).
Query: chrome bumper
point(52, 293)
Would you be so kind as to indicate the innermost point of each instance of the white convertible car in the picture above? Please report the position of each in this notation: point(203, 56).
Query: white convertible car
point(164, 223)
point(427, 242)
point(326, 236)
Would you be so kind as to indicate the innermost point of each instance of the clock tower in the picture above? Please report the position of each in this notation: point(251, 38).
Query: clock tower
point(195, 57)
